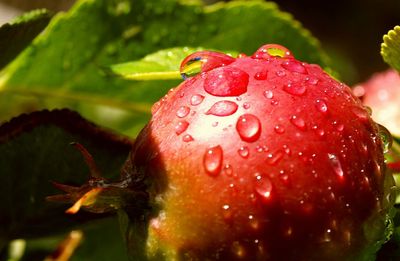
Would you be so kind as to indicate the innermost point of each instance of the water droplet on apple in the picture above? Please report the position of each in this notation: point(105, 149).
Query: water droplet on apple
point(183, 111)
point(223, 108)
point(280, 73)
point(181, 127)
point(284, 178)
point(261, 75)
point(248, 127)
point(263, 187)
point(227, 212)
point(298, 122)
point(274, 102)
point(318, 130)
point(226, 81)
point(312, 80)
point(338, 126)
point(288, 230)
point(279, 129)
point(269, 94)
point(337, 167)
point(274, 158)
point(187, 138)
point(294, 66)
point(213, 160)
point(228, 169)
point(246, 105)
point(361, 113)
point(244, 152)
point(272, 50)
point(254, 222)
point(196, 99)
point(386, 138)
point(327, 236)
point(203, 61)
point(287, 149)
point(297, 89)
point(321, 106)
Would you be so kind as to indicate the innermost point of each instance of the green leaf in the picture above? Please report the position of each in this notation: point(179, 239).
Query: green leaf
point(18, 34)
point(35, 150)
point(96, 238)
point(160, 65)
point(390, 48)
point(63, 67)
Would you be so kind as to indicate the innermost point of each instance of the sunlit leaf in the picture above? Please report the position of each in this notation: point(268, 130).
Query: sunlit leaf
point(160, 65)
point(390, 48)
point(64, 65)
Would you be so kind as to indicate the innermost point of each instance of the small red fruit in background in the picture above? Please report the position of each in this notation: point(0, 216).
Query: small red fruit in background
point(382, 94)
point(262, 158)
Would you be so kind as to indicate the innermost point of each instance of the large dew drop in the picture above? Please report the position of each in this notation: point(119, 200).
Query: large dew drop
point(248, 127)
point(212, 160)
point(386, 138)
point(272, 50)
point(226, 81)
point(203, 61)
point(294, 66)
point(223, 108)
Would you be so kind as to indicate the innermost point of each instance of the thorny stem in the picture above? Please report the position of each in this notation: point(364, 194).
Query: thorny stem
point(97, 195)
point(94, 171)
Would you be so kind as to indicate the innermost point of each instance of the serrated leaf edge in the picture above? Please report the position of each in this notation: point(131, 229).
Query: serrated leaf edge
point(283, 15)
point(389, 51)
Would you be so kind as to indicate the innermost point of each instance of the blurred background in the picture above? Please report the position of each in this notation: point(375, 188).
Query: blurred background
point(350, 31)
